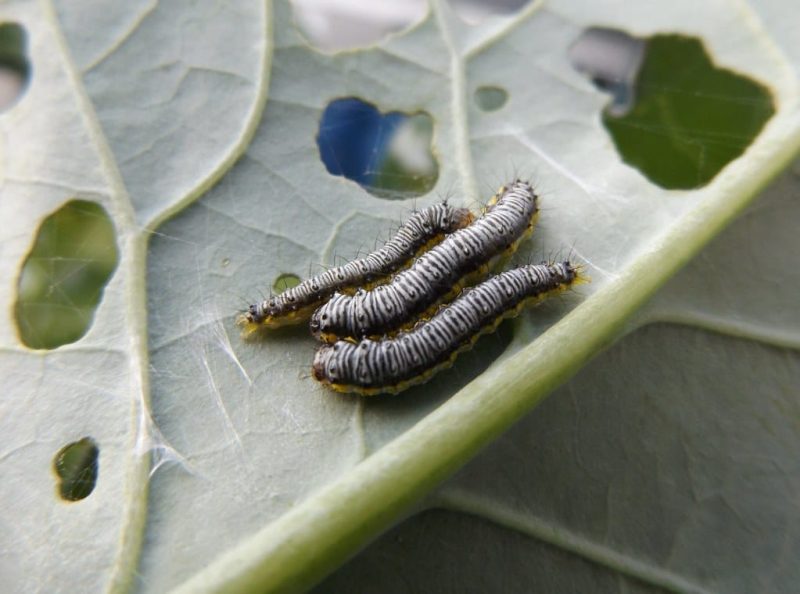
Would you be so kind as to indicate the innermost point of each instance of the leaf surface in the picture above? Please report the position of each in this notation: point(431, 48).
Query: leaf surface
point(222, 465)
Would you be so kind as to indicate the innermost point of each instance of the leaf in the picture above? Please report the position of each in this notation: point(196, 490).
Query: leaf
point(743, 282)
point(252, 476)
point(178, 92)
point(657, 468)
point(55, 149)
point(664, 464)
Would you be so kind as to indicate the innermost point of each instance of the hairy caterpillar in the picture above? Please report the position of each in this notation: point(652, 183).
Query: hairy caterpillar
point(433, 276)
point(391, 365)
point(422, 229)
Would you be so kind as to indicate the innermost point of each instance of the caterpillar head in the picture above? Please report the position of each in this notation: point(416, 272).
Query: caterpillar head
point(319, 368)
point(326, 321)
point(460, 218)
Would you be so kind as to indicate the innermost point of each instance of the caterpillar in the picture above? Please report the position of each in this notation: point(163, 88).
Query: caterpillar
point(435, 275)
point(424, 228)
point(390, 365)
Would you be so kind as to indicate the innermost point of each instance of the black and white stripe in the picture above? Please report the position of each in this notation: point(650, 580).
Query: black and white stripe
point(394, 364)
point(432, 276)
point(421, 229)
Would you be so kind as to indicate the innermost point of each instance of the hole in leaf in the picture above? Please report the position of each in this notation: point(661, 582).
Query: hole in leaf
point(389, 154)
point(63, 276)
point(612, 59)
point(474, 12)
point(285, 281)
point(335, 26)
point(675, 116)
point(490, 98)
point(76, 467)
point(14, 66)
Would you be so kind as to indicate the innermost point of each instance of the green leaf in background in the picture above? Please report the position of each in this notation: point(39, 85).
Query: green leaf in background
point(223, 467)
point(14, 67)
point(696, 117)
point(76, 466)
point(63, 277)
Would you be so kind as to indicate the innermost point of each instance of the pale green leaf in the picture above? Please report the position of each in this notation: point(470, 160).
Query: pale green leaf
point(222, 465)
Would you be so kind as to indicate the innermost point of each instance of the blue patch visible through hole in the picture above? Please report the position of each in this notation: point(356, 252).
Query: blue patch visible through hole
point(388, 154)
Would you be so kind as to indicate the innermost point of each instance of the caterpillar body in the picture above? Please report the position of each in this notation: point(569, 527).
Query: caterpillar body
point(435, 275)
point(390, 365)
point(423, 229)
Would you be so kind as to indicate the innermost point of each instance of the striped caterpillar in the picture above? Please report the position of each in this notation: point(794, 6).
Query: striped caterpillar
point(435, 275)
point(422, 229)
point(390, 365)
